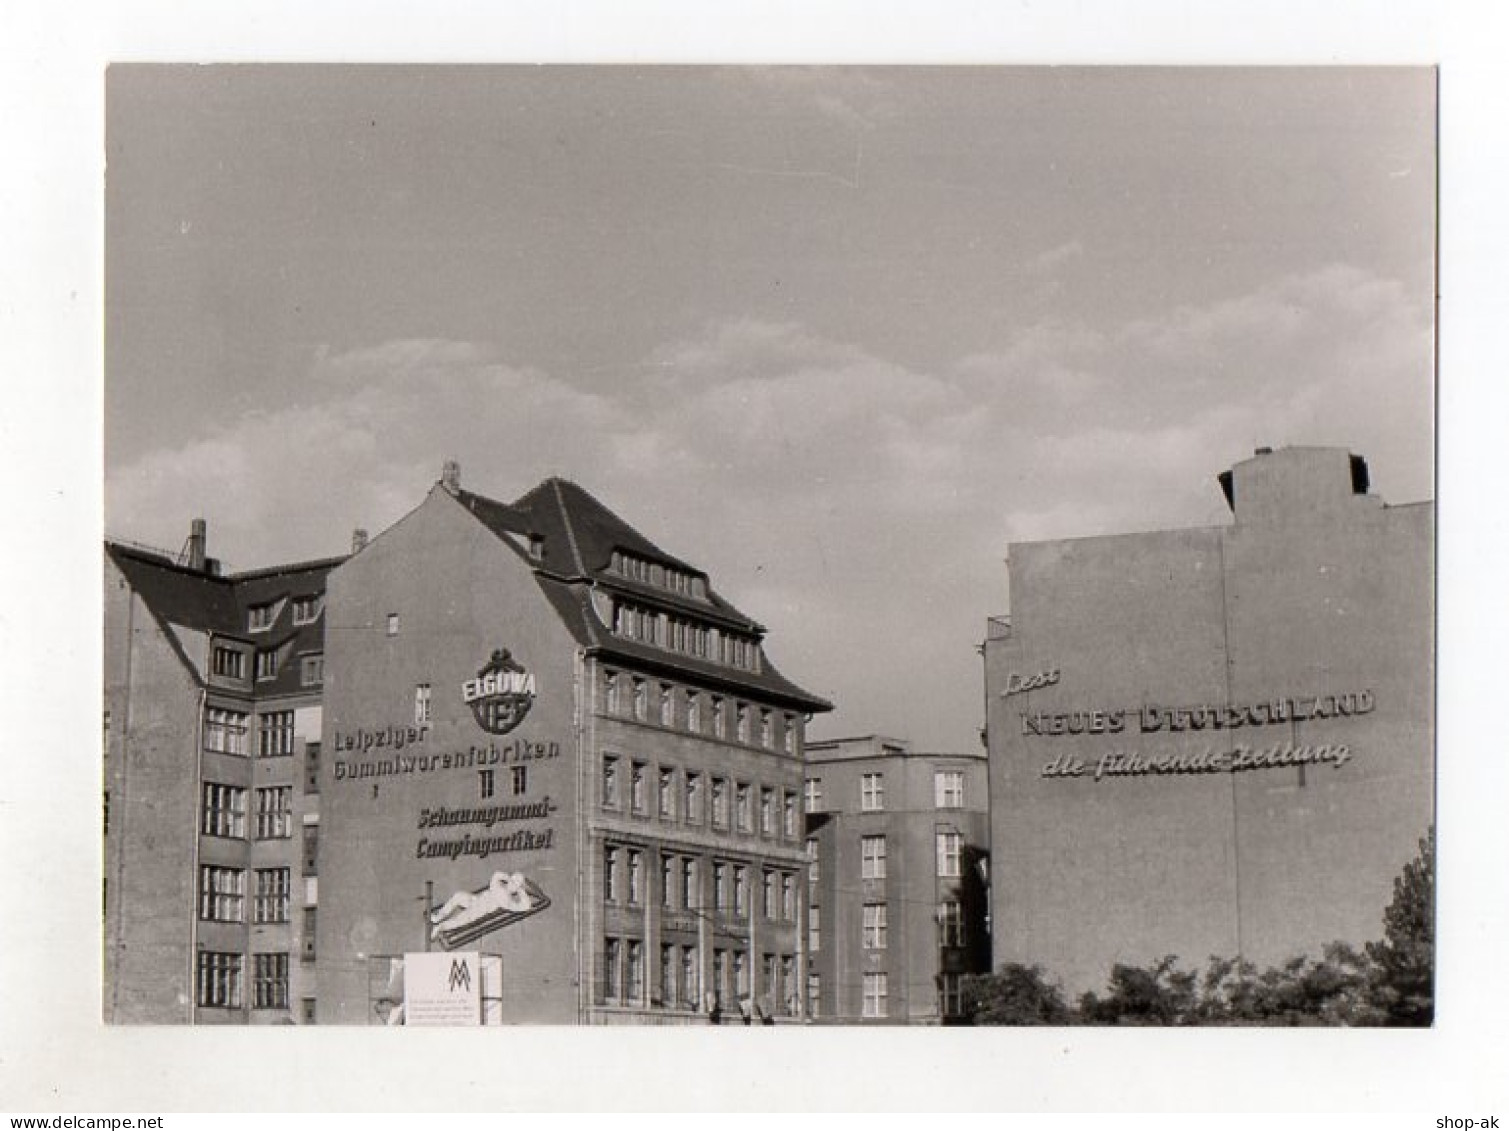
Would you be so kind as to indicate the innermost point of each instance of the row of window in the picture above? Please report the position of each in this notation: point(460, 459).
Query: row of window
point(224, 811)
point(948, 792)
point(697, 798)
point(219, 981)
point(874, 925)
point(686, 635)
point(230, 663)
point(697, 712)
point(661, 576)
point(624, 881)
point(226, 732)
point(222, 894)
point(679, 985)
point(875, 1001)
point(872, 856)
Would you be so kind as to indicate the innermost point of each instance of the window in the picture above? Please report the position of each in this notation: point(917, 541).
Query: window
point(271, 904)
point(665, 795)
point(221, 891)
point(219, 980)
point(260, 617)
point(770, 895)
point(229, 663)
point(787, 1003)
point(392, 624)
point(872, 857)
point(311, 850)
point(667, 705)
point(950, 995)
point(270, 981)
point(637, 787)
point(741, 973)
point(741, 889)
point(693, 808)
point(267, 665)
point(668, 877)
point(741, 714)
point(485, 784)
point(308, 1005)
point(720, 974)
point(312, 670)
point(636, 876)
point(872, 793)
point(274, 734)
point(275, 812)
point(225, 731)
point(813, 799)
point(224, 811)
point(950, 924)
point(814, 928)
point(742, 810)
point(635, 950)
point(948, 855)
point(767, 734)
point(814, 994)
point(720, 721)
point(306, 609)
point(720, 886)
point(610, 781)
point(518, 780)
point(667, 973)
point(612, 967)
point(788, 814)
point(770, 977)
point(875, 995)
point(311, 767)
point(767, 812)
point(689, 898)
point(611, 697)
point(720, 802)
point(874, 926)
point(310, 933)
point(948, 789)
point(641, 700)
point(694, 712)
point(421, 704)
point(788, 733)
point(610, 874)
point(814, 867)
point(689, 976)
point(788, 896)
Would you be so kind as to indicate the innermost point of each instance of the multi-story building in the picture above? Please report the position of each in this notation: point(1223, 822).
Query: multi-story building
point(552, 744)
point(212, 731)
point(897, 844)
point(1214, 741)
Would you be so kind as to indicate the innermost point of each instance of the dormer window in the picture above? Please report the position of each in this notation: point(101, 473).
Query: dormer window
point(259, 618)
point(267, 665)
point(307, 609)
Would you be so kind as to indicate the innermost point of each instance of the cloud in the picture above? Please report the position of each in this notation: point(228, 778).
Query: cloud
point(858, 506)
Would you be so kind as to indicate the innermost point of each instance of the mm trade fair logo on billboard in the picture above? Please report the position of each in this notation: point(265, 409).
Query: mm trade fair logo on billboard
point(502, 693)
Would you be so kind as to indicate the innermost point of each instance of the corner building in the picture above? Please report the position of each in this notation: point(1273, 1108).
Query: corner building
point(212, 720)
point(1213, 741)
point(533, 708)
point(897, 842)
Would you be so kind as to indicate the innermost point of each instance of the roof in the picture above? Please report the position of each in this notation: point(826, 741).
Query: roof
point(206, 602)
point(577, 538)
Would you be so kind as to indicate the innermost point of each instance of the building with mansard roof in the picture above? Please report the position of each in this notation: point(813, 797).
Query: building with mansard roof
point(554, 751)
point(212, 723)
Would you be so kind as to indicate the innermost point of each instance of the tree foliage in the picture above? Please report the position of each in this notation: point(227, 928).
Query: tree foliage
point(1389, 982)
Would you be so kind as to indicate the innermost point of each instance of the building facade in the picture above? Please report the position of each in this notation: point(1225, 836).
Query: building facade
point(1213, 741)
point(553, 744)
point(897, 842)
point(212, 723)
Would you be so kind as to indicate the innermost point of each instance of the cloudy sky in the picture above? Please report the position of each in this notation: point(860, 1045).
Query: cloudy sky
point(838, 336)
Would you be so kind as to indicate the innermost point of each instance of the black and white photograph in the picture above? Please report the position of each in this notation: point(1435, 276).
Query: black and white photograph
point(938, 552)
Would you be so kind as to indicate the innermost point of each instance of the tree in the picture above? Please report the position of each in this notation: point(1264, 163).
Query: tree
point(1160, 994)
point(1015, 995)
point(1405, 959)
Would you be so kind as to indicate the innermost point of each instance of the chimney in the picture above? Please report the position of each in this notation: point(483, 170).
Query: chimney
point(450, 476)
point(196, 547)
point(358, 540)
